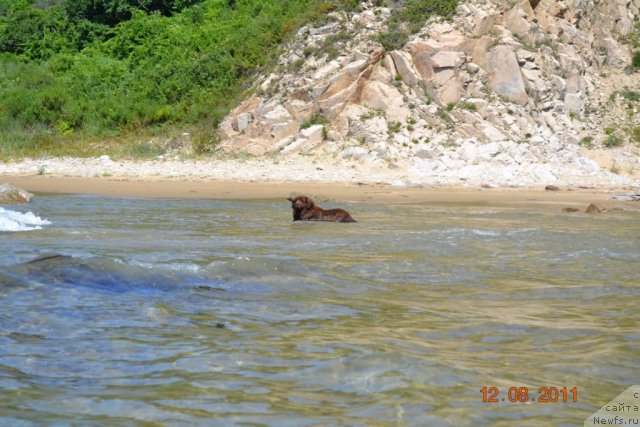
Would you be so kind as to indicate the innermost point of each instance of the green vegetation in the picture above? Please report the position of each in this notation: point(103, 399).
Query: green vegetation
point(635, 61)
point(84, 77)
point(316, 119)
point(634, 135)
point(410, 18)
point(630, 95)
point(371, 114)
point(410, 124)
point(394, 127)
point(587, 142)
point(612, 138)
point(468, 106)
point(444, 116)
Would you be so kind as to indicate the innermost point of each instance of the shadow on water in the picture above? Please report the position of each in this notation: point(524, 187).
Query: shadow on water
point(100, 274)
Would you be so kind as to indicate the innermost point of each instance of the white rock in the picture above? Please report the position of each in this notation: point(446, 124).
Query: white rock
point(469, 152)
point(487, 151)
point(294, 145)
point(492, 133)
point(241, 122)
point(315, 134)
point(381, 148)
point(543, 174)
point(589, 166)
point(503, 159)
point(536, 140)
point(278, 115)
point(401, 139)
point(445, 59)
point(355, 152)
point(425, 154)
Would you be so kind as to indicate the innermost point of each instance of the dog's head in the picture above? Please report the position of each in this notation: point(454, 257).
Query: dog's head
point(301, 203)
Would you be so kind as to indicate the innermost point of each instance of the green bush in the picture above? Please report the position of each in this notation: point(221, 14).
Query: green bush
point(89, 69)
point(630, 95)
point(634, 135)
point(316, 119)
point(468, 106)
point(394, 127)
point(612, 140)
point(587, 142)
point(394, 38)
point(635, 60)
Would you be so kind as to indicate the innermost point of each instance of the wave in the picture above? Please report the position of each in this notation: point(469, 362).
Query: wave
point(18, 221)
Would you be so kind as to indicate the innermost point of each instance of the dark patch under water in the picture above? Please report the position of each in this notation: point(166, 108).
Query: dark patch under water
point(201, 313)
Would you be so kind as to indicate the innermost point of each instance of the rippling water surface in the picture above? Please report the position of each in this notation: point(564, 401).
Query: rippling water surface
point(226, 313)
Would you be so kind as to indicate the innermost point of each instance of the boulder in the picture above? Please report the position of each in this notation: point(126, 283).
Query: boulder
point(278, 114)
point(617, 56)
point(404, 67)
point(504, 74)
point(315, 134)
point(445, 60)
point(380, 96)
point(517, 21)
point(241, 122)
point(10, 195)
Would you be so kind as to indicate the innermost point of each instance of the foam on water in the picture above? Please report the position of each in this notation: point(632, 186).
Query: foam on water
point(18, 221)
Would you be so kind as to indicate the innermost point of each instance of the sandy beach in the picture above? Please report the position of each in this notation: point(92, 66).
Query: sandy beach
point(323, 179)
point(322, 192)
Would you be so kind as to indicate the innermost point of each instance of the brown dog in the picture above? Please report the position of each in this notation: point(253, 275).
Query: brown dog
point(305, 209)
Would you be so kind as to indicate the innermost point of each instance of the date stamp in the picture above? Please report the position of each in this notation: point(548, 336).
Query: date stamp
point(525, 394)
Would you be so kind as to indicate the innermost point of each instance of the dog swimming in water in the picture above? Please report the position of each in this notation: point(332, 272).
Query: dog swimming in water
point(305, 209)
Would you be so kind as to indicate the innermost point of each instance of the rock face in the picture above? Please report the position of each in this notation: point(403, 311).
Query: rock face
point(504, 75)
point(10, 195)
point(504, 91)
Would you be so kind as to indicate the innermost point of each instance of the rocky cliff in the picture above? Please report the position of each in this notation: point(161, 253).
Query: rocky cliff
point(507, 93)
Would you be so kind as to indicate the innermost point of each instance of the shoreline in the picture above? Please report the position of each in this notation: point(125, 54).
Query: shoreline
point(322, 192)
point(322, 178)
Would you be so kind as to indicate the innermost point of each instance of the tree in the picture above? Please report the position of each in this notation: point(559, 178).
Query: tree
point(112, 12)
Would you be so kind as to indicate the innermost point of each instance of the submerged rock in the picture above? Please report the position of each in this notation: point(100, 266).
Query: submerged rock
point(10, 194)
point(48, 257)
point(593, 208)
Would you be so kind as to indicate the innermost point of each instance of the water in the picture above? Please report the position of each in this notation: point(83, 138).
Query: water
point(226, 313)
point(20, 221)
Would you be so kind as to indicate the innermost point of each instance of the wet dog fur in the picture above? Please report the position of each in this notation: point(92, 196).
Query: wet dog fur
point(305, 209)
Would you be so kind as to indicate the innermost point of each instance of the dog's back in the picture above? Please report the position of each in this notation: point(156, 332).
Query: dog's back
point(337, 215)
